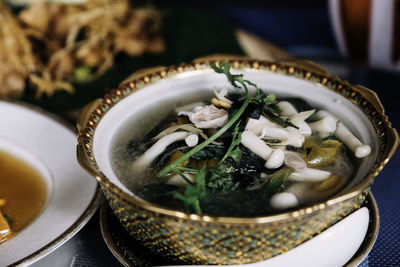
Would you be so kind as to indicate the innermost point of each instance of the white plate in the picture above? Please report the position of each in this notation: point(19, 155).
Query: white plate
point(73, 196)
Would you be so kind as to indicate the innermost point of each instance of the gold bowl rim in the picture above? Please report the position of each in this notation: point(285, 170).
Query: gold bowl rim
point(364, 98)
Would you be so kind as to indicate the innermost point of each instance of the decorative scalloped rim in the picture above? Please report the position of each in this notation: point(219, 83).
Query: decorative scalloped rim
point(121, 249)
point(379, 120)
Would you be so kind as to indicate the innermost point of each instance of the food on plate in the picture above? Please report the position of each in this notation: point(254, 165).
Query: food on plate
point(22, 195)
point(5, 230)
point(240, 153)
point(51, 46)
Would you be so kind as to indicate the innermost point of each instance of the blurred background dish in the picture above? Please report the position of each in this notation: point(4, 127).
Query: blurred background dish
point(47, 47)
point(89, 57)
point(367, 32)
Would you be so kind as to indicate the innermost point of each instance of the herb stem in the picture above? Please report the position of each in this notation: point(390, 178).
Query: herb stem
point(196, 206)
point(187, 169)
point(233, 143)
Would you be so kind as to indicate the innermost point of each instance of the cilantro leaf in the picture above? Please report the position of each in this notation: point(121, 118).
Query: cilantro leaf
point(221, 179)
point(269, 99)
point(225, 68)
point(194, 193)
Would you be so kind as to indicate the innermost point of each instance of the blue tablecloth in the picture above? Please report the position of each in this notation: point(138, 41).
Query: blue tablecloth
point(386, 187)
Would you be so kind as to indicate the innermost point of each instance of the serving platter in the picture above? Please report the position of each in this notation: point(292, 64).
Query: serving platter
point(48, 144)
point(131, 253)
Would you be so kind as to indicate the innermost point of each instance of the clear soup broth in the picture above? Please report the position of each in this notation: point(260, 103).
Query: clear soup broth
point(250, 176)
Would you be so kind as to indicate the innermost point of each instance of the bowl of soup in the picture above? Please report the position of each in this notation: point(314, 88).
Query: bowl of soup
point(231, 160)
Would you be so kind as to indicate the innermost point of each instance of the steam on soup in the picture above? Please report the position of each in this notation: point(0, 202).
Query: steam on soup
point(240, 155)
point(22, 195)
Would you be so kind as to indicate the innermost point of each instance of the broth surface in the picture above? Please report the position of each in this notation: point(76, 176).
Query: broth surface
point(24, 190)
point(242, 202)
point(237, 154)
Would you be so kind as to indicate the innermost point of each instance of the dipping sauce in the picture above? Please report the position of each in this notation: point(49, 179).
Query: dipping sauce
point(22, 194)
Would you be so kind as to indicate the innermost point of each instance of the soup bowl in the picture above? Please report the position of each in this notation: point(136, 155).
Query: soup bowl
point(143, 99)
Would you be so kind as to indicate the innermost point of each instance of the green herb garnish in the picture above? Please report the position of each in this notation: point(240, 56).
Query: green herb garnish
point(220, 177)
point(194, 193)
point(234, 151)
point(234, 79)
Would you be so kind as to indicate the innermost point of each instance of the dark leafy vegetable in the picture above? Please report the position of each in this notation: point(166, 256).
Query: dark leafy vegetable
point(153, 190)
point(209, 152)
point(275, 182)
point(295, 149)
point(221, 179)
point(269, 113)
point(250, 163)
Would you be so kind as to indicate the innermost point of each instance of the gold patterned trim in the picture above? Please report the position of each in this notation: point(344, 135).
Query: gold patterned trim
point(363, 98)
point(369, 240)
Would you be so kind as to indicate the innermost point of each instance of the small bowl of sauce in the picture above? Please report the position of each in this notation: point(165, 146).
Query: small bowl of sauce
point(24, 187)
